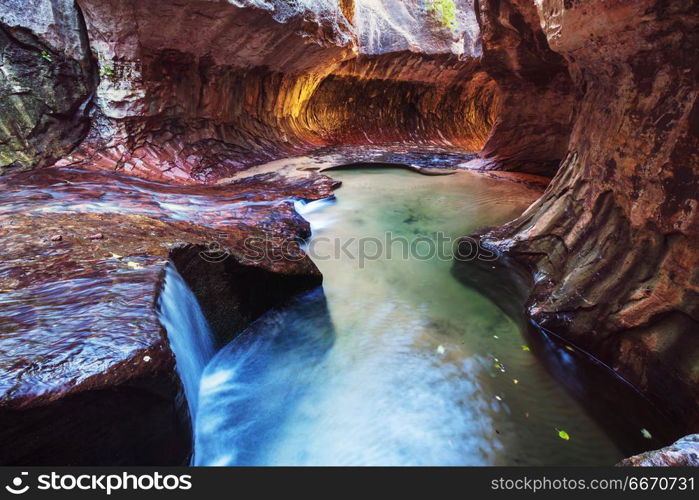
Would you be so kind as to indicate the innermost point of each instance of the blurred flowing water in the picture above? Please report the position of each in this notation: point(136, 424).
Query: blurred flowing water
point(188, 332)
point(393, 362)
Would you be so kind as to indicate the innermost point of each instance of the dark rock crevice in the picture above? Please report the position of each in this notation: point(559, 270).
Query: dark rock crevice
point(232, 295)
point(142, 422)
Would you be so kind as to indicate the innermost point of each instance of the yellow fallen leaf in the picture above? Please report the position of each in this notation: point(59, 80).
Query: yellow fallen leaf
point(525, 348)
point(563, 435)
point(134, 265)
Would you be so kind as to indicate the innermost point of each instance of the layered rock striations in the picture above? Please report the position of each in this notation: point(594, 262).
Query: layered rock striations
point(191, 92)
point(682, 453)
point(600, 93)
point(86, 371)
point(195, 91)
point(532, 125)
point(612, 243)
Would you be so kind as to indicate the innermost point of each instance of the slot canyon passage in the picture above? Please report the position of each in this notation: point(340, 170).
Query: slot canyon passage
point(174, 175)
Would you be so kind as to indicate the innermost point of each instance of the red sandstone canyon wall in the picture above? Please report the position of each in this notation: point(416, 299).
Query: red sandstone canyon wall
point(599, 94)
point(193, 92)
point(613, 242)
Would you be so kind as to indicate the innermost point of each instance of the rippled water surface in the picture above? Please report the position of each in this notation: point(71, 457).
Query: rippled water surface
point(393, 362)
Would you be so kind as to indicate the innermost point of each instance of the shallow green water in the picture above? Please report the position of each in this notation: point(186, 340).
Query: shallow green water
point(399, 364)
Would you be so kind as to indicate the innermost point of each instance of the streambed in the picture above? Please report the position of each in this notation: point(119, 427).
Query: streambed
point(393, 361)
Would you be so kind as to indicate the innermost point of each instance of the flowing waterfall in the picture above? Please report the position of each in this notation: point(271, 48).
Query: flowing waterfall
point(253, 385)
point(393, 361)
point(190, 336)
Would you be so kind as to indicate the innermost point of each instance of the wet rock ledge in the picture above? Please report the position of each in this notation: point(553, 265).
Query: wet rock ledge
point(86, 373)
point(600, 95)
point(682, 453)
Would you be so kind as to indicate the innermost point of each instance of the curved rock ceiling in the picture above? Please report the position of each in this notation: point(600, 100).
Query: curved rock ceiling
point(601, 95)
point(196, 91)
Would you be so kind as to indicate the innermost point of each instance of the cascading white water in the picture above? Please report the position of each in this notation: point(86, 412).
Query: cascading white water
point(393, 362)
point(188, 332)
